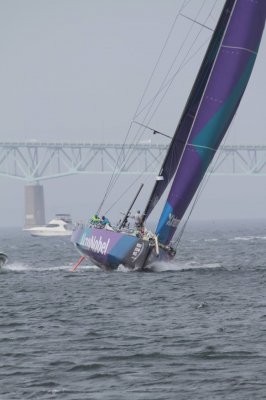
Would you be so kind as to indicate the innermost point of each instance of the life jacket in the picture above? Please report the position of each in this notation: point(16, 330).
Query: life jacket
point(95, 219)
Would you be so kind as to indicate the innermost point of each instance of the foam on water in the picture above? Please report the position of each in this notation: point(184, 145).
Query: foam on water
point(173, 266)
point(122, 268)
point(248, 238)
point(89, 268)
point(20, 267)
point(16, 267)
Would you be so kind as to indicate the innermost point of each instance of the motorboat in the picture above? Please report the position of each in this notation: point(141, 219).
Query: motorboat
point(3, 259)
point(60, 225)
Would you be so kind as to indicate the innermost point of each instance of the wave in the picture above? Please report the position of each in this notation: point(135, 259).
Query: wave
point(160, 266)
point(122, 268)
point(248, 238)
point(183, 266)
point(20, 267)
point(16, 267)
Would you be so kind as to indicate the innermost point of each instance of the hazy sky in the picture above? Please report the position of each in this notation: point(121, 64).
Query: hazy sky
point(75, 70)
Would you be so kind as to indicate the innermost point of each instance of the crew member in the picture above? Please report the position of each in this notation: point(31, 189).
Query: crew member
point(138, 220)
point(95, 219)
point(105, 221)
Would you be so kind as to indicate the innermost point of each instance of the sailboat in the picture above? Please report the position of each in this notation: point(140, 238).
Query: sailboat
point(214, 98)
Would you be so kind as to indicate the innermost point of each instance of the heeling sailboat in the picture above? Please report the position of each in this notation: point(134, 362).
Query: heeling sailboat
point(213, 101)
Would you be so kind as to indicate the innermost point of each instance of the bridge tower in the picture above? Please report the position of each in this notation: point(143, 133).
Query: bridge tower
point(34, 205)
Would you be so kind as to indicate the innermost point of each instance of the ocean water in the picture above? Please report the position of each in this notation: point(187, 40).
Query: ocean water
point(191, 329)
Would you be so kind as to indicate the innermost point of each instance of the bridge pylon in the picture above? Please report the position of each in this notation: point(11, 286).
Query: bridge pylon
point(34, 205)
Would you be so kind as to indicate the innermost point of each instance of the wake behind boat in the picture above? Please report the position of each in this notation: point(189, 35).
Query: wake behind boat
point(210, 108)
point(61, 225)
point(3, 259)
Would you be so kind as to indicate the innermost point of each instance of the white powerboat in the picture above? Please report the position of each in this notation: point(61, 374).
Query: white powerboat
point(3, 259)
point(61, 225)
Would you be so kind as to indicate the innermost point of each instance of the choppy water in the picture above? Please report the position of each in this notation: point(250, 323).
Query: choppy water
point(193, 329)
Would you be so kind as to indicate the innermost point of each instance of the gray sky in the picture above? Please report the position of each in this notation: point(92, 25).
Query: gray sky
point(75, 70)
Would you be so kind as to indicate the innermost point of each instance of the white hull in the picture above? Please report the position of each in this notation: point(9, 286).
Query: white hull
point(49, 233)
point(56, 227)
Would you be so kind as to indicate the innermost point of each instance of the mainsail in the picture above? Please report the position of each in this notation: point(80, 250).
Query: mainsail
point(213, 101)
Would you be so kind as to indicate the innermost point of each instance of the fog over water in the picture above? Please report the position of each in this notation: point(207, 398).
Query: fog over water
point(76, 71)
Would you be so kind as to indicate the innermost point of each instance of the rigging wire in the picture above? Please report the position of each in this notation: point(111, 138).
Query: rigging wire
point(159, 58)
point(120, 161)
point(168, 84)
point(162, 86)
point(133, 183)
point(112, 179)
point(184, 62)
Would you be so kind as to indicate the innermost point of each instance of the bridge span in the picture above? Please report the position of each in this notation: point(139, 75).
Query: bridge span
point(38, 161)
point(34, 162)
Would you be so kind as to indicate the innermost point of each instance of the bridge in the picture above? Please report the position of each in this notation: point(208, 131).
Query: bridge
point(34, 162)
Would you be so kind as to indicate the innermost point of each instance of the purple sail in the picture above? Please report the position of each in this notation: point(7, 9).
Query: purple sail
point(242, 23)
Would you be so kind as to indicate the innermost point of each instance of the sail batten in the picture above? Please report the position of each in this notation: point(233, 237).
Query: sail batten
point(240, 48)
point(224, 87)
point(193, 145)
